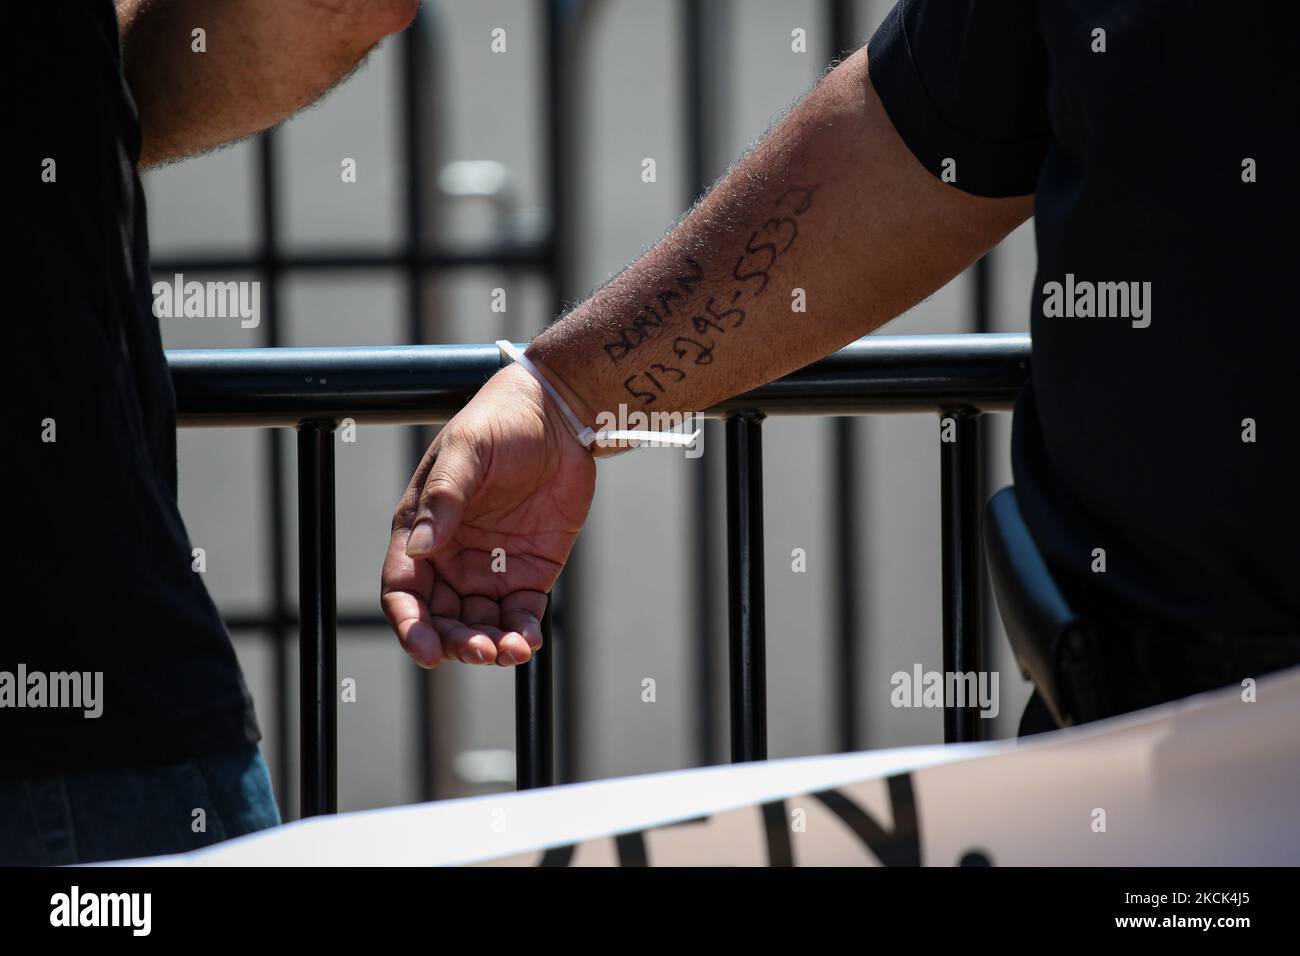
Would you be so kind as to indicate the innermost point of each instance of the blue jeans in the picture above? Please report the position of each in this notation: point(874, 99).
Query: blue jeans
point(116, 814)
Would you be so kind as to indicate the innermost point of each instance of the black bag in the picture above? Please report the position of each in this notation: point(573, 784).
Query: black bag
point(1053, 645)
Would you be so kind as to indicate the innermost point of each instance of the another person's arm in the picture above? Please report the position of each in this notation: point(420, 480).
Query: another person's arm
point(264, 61)
point(831, 202)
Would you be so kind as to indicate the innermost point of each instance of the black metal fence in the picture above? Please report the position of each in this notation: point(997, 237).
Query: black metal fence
point(251, 388)
point(960, 377)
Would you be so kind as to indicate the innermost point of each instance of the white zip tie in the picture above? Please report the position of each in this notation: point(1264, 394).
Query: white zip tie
point(585, 436)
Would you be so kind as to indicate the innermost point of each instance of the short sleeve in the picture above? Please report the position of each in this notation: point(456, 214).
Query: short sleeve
point(967, 82)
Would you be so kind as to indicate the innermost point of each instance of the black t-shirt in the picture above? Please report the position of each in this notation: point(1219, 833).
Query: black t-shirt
point(97, 565)
point(1160, 140)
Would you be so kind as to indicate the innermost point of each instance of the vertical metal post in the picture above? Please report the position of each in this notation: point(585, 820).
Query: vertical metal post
point(413, 77)
point(982, 306)
point(839, 23)
point(278, 543)
point(536, 683)
point(847, 492)
point(318, 619)
point(534, 730)
point(702, 42)
point(844, 515)
point(960, 492)
point(745, 587)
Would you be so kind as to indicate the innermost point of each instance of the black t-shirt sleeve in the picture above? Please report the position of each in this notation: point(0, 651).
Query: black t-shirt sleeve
point(967, 82)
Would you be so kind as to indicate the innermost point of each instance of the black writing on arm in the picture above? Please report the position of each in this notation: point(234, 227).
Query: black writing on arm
point(773, 239)
point(648, 320)
point(798, 198)
point(725, 311)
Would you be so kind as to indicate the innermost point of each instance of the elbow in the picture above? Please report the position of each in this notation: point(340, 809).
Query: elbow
point(362, 22)
point(380, 18)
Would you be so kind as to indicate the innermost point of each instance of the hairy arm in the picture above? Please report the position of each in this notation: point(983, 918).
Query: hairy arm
point(832, 203)
point(264, 61)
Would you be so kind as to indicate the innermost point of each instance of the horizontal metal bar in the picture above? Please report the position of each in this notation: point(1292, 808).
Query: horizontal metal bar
point(531, 255)
point(430, 383)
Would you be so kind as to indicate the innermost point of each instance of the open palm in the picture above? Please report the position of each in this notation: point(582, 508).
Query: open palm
point(485, 527)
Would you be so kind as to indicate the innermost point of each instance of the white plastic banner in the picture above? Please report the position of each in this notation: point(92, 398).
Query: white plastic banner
point(1213, 780)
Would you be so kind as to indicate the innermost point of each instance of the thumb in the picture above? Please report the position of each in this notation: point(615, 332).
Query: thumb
point(453, 481)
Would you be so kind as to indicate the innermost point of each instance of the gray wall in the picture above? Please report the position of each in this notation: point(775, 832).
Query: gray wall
point(635, 621)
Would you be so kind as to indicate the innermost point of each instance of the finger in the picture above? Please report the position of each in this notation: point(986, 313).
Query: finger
point(477, 609)
point(511, 648)
point(405, 587)
point(404, 513)
point(409, 618)
point(454, 479)
point(521, 613)
point(468, 643)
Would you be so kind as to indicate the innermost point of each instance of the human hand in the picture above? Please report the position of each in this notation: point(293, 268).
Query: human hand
point(485, 527)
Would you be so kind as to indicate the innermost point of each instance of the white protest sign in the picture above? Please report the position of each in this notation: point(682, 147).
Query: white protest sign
point(1213, 780)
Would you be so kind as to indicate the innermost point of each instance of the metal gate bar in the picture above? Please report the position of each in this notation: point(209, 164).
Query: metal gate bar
point(746, 612)
point(960, 463)
point(318, 625)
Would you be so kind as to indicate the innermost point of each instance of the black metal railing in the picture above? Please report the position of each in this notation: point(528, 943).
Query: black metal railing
point(960, 377)
point(547, 254)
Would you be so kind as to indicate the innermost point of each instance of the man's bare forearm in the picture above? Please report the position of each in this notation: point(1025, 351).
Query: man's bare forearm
point(263, 60)
point(830, 213)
